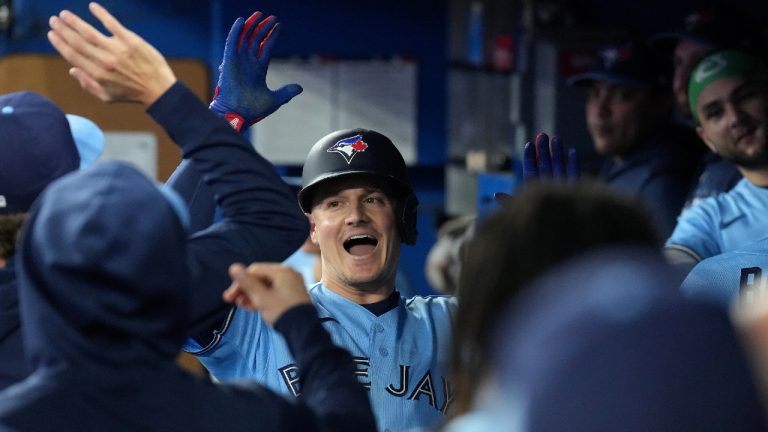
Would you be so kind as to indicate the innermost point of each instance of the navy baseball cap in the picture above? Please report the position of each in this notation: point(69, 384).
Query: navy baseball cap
point(38, 147)
point(627, 64)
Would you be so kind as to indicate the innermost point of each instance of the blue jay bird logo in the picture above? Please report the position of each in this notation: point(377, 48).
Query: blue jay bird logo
point(349, 147)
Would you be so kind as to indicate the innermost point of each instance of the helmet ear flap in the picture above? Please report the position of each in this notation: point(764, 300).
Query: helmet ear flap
point(408, 230)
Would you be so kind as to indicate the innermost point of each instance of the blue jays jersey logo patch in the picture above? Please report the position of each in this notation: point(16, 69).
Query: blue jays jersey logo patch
point(349, 147)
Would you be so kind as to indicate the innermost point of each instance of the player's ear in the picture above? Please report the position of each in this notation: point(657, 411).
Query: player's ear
point(312, 225)
point(703, 135)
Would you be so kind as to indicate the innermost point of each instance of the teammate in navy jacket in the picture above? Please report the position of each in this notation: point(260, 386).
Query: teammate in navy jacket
point(40, 144)
point(106, 264)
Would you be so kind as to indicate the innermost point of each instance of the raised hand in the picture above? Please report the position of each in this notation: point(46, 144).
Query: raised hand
point(118, 68)
point(269, 288)
point(242, 95)
point(544, 160)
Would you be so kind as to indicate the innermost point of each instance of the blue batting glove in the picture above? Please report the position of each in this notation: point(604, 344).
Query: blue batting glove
point(573, 169)
point(242, 96)
point(544, 160)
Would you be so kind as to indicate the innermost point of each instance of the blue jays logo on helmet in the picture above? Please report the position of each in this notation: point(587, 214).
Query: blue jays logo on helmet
point(349, 147)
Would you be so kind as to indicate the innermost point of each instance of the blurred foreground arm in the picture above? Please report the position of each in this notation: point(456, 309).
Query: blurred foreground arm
point(328, 384)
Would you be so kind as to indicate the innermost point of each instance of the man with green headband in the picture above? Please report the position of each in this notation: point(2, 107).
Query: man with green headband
point(728, 95)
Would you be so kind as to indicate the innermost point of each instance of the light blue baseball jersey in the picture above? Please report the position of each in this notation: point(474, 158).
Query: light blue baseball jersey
point(304, 263)
point(726, 277)
point(402, 356)
point(723, 223)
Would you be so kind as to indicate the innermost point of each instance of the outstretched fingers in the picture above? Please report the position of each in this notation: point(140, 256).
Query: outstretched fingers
point(558, 163)
point(542, 152)
point(246, 28)
point(108, 21)
point(574, 166)
point(86, 31)
point(71, 44)
point(259, 35)
point(530, 168)
point(88, 83)
point(236, 32)
point(265, 48)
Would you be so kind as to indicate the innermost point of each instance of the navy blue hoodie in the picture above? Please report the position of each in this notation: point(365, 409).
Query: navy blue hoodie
point(104, 270)
point(13, 368)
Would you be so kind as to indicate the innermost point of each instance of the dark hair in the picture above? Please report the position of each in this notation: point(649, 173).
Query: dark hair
point(545, 224)
point(10, 226)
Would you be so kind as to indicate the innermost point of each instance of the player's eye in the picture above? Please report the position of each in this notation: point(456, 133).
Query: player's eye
point(375, 199)
point(713, 112)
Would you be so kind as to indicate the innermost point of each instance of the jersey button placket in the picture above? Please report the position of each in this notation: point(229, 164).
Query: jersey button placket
point(377, 329)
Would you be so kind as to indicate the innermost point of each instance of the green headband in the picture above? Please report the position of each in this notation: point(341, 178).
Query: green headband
point(721, 64)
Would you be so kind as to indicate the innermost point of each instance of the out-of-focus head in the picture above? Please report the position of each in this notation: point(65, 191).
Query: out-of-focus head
point(728, 93)
point(537, 229)
point(102, 270)
point(38, 147)
point(625, 98)
point(702, 32)
point(606, 342)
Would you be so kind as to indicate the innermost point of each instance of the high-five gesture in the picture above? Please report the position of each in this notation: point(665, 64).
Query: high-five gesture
point(118, 68)
point(242, 95)
point(545, 160)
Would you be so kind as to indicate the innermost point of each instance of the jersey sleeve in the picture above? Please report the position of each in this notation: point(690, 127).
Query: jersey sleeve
point(261, 220)
point(714, 280)
point(201, 201)
point(697, 231)
point(729, 277)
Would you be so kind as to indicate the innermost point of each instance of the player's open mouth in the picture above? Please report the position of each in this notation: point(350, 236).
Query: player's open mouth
point(360, 245)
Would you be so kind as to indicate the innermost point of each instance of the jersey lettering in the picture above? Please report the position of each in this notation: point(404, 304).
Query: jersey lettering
point(403, 388)
point(290, 374)
point(361, 370)
point(750, 284)
point(449, 395)
point(424, 387)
